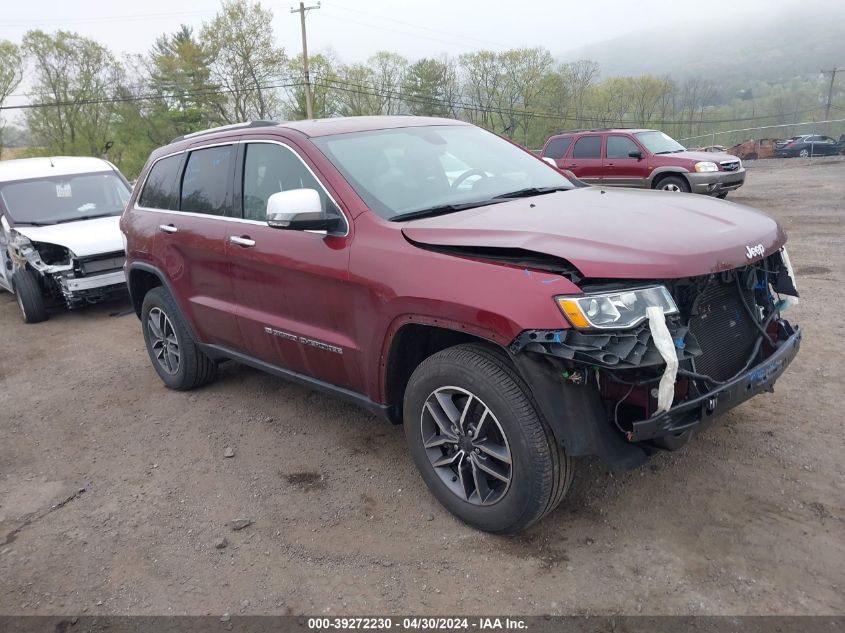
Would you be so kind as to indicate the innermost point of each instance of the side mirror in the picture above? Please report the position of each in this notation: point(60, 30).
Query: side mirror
point(299, 210)
point(550, 161)
point(635, 153)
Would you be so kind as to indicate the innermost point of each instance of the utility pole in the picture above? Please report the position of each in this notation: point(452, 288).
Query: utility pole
point(832, 72)
point(302, 10)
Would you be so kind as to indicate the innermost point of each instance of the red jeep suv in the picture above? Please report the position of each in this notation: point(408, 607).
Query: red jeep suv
point(442, 277)
point(647, 159)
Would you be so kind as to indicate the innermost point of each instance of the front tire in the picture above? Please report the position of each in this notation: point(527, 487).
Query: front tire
point(479, 442)
point(177, 359)
point(675, 184)
point(722, 195)
point(29, 296)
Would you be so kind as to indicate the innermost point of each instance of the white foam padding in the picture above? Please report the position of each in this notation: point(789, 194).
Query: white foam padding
point(663, 342)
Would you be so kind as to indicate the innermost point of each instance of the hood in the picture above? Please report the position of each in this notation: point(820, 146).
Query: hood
point(614, 233)
point(84, 237)
point(713, 157)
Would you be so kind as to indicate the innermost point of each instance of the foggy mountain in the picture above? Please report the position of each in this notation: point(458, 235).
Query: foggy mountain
point(729, 48)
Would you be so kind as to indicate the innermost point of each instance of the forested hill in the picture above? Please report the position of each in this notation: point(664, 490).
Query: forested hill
point(729, 50)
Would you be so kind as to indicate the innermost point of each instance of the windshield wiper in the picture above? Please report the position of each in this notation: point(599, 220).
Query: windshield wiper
point(530, 191)
point(84, 217)
point(440, 210)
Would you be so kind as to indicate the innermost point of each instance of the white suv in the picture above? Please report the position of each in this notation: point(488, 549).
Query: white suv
point(59, 235)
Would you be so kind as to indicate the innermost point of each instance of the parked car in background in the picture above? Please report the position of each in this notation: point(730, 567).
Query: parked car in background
point(646, 159)
point(752, 149)
point(809, 145)
point(444, 278)
point(59, 235)
point(713, 149)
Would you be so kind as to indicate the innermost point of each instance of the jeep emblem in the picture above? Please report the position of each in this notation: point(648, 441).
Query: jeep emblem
point(754, 251)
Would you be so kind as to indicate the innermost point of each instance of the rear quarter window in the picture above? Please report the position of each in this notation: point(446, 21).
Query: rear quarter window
point(161, 188)
point(557, 147)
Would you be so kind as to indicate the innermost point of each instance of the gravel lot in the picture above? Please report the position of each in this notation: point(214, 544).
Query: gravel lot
point(115, 492)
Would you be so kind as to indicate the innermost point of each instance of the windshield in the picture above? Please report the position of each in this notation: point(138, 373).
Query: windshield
point(659, 143)
point(64, 198)
point(410, 170)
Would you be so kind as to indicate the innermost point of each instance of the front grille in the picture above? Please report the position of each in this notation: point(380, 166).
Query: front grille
point(730, 165)
point(102, 263)
point(724, 330)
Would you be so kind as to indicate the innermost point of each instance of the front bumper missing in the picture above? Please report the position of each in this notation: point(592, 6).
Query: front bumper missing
point(694, 412)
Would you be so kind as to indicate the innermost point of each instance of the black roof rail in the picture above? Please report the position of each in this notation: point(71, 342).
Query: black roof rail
point(223, 128)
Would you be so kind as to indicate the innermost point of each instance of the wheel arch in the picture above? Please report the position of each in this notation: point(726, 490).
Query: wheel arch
point(410, 340)
point(141, 278)
point(662, 172)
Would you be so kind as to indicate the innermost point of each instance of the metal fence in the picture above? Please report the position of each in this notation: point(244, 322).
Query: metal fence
point(728, 138)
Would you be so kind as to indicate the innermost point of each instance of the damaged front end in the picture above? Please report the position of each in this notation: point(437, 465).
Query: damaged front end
point(652, 384)
point(74, 281)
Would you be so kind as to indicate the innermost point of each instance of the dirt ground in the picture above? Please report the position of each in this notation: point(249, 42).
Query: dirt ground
point(115, 492)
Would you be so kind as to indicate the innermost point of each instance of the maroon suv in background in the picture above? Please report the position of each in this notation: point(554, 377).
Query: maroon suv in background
point(647, 159)
point(448, 280)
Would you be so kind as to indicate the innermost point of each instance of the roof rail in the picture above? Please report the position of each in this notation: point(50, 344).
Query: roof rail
point(596, 129)
point(223, 128)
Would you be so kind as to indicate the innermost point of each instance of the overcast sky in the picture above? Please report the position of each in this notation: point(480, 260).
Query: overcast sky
point(357, 28)
point(354, 29)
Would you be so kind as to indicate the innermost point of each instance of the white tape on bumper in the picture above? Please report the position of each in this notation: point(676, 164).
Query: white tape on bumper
point(664, 344)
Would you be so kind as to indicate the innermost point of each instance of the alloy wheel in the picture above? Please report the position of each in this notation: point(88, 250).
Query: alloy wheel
point(671, 186)
point(163, 340)
point(466, 445)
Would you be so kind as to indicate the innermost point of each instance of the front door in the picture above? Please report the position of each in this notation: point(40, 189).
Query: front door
point(585, 159)
point(620, 168)
point(291, 286)
point(190, 245)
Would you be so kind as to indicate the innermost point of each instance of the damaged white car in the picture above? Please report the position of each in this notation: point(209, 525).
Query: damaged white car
point(59, 236)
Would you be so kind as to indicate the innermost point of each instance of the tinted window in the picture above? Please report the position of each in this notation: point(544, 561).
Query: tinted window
point(271, 168)
point(620, 146)
point(206, 180)
point(557, 147)
point(161, 189)
point(587, 147)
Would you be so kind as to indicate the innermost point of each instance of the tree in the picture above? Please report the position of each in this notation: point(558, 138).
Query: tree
point(388, 75)
point(245, 62)
point(11, 73)
point(324, 80)
point(75, 80)
point(179, 76)
point(425, 88)
point(482, 81)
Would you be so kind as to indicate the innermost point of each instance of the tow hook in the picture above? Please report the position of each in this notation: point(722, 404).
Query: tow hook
point(710, 407)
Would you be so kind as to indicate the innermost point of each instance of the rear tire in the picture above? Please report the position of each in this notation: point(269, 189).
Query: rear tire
point(29, 296)
point(676, 184)
point(804, 153)
point(177, 359)
point(491, 408)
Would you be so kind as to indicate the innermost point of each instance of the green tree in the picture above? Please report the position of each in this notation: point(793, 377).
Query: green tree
point(426, 86)
point(179, 75)
point(245, 62)
point(324, 91)
point(11, 73)
point(75, 80)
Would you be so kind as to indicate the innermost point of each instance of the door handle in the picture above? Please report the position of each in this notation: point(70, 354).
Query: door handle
point(244, 241)
point(167, 228)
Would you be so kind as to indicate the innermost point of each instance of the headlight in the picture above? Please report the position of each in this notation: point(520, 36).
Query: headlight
point(706, 166)
point(615, 310)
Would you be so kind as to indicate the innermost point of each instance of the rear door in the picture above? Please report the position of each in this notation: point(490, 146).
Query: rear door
point(585, 159)
point(291, 286)
point(190, 244)
point(620, 168)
